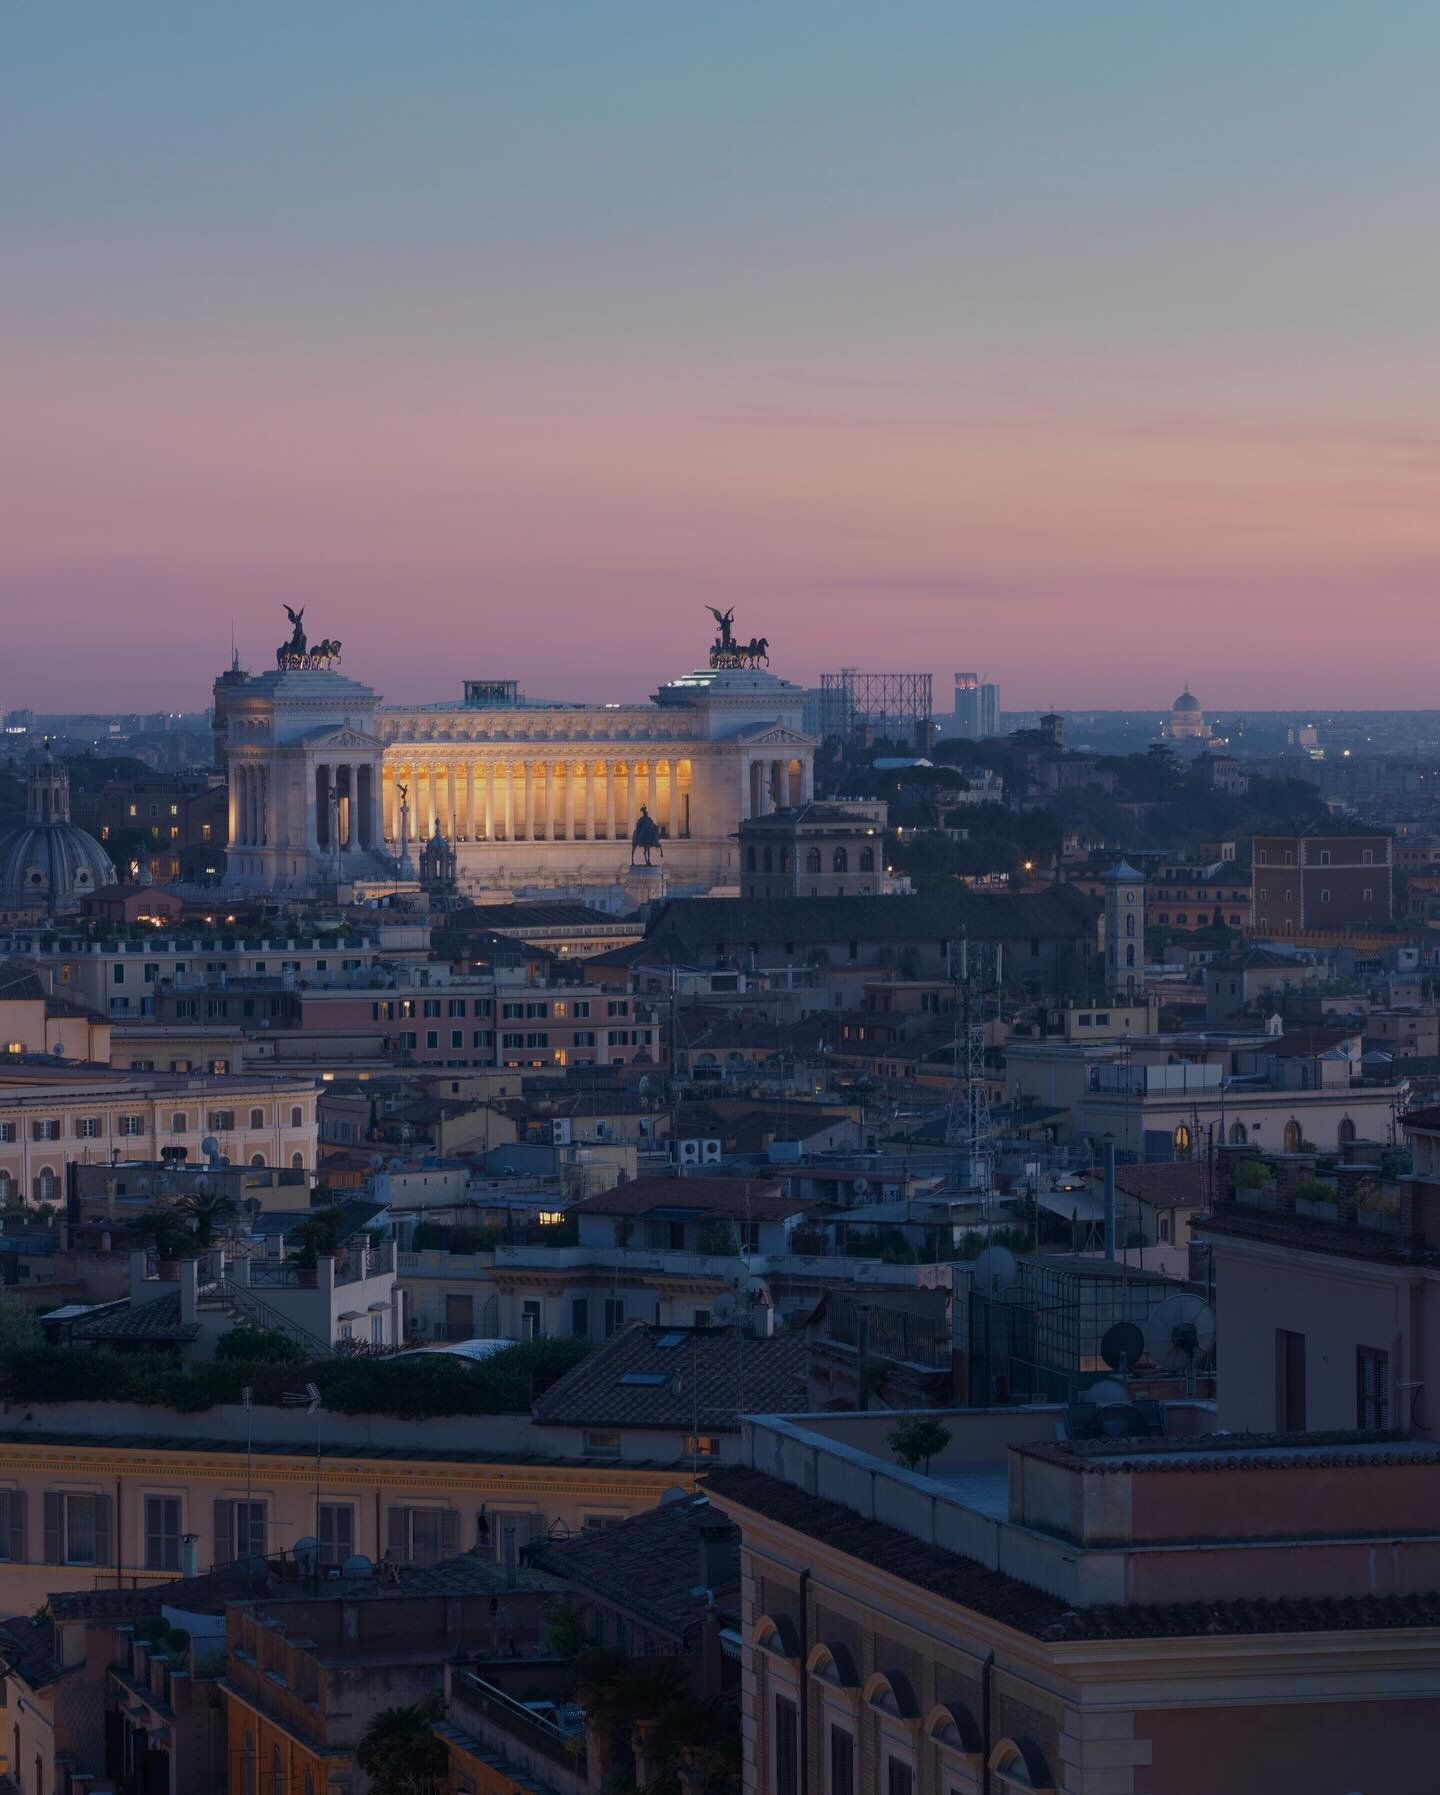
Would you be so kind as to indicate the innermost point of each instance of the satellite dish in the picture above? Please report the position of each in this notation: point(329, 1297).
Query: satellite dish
point(1105, 1392)
point(377, 1162)
point(209, 1145)
point(996, 1270)
point(1180, 1331)
point(357, 1565)
point(307, 1553)
point(397, 1164)
point(644, 1084)
point(861, 1187)
point(1121, 1345)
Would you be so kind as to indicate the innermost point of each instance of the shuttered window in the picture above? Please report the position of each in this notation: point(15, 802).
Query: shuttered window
point(422, 1535)
point(162, 1533)
point(241, 1530)
point(12, 1526)
point(78, 1528)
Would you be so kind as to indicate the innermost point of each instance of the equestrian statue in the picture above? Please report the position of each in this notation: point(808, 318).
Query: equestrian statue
point(645, 837)
point(297, 656)
point(726, 652)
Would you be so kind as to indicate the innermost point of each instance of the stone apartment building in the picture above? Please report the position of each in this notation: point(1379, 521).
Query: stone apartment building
point(1322, 878)
point(1033, 1613)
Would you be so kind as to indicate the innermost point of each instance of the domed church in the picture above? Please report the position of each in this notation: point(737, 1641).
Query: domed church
point(1186, 722)
point(49, 863)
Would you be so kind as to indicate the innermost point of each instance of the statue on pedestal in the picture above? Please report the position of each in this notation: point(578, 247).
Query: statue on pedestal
point(645, 837)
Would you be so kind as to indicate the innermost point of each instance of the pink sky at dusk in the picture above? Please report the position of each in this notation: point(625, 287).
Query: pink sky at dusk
point(1091, 356)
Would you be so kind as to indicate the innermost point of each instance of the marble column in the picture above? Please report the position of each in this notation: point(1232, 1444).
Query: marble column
point(509, 797)
point(489, 770)
point(672, 805)
point(452, 781)
point(550, 833)
point(569, 800)
point(610, 800)
point(469, 829)
point(591, 797)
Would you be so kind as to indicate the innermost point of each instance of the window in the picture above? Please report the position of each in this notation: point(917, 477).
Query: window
point(423, 1535)
point(702, 1446)
point(867, 860)
point(618, 1007)
point(44, 1131)
point(840, 861)
point(1369, 893)
point(1372, 1387)
point(12, 1526)
point(1367, 857)
point(87, 1128)
point(257, 1118)
point(787, 1763)
point(582, 1007)
point(1184, 1141)
point(899, 1778)
point(432, 1037)
point(1289, 1381)
point(220, 1121)
point(812, 861)
point(241, 1529)
point(455, 1007)
point(7, 1131)
point(132, 1125)
point(580, 1317)
point(178, 1122)
point(1324, 856)
point(77, 1528)
point(842, 1762)
point(162, 1533)
point(335, 1530)
point(600, 1442)
point(1325, 894)
point(1294, 1136)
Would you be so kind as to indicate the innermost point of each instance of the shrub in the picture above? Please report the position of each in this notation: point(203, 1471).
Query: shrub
point(259, 1346)
point(1253, 1174)
point(917, 1438)
point(1315, 1190)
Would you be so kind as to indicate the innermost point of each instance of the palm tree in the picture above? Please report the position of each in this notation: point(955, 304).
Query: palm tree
point(400, 1751)
point(167, 1228)
point(206, 1212)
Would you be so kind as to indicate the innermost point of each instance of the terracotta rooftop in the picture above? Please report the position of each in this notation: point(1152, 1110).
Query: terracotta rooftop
point(649, 1564)
point(686, 1379)
point(1183, 1184)
point(745, 1199)
point(1029, 1610)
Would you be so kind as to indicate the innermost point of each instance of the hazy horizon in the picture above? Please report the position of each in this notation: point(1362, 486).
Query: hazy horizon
point(1092, 349)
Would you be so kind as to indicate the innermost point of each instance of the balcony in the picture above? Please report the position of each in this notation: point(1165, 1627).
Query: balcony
point(481, 1714)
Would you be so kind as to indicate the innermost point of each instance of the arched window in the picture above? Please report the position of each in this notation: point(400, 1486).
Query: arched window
point(1294, 1136)
point(277, 1773)
point(297, 1160)
point(257, 1159)
point(45, 1185)
point(1019, 1764)
point(1184, 1140)
point(1130, 953)
point(1129, 925)
point(812, 860)
point(1238, 1136)
point(1346, 1131)
point(840, 861)
point(247, 1763)
point(257, 1118)
point(767, 861)
point(867, 860)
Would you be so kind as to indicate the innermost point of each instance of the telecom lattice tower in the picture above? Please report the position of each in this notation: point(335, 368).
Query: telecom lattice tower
point(968, 1128)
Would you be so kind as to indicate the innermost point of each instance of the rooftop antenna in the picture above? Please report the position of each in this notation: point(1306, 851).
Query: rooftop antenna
point(967, 1126)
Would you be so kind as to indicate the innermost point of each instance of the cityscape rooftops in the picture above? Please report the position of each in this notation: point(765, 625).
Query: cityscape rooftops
point(693, 1380)
point(743, 1199)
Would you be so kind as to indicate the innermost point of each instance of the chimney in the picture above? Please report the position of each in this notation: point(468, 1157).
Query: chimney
point(139, 1264)
point(189, 1290)
point(189, 1554)
point(719, 1555)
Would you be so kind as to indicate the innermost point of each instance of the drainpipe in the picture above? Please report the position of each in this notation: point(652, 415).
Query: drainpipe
point(804, 1690)
point(987, 1672)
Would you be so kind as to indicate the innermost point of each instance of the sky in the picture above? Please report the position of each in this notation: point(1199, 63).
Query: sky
point(1093, 347)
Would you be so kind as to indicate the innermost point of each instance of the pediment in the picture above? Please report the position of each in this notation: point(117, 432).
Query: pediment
point(776, 735)
point(332, 735)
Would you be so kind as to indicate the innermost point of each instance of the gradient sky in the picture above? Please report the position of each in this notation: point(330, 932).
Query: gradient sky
point(1094, 346)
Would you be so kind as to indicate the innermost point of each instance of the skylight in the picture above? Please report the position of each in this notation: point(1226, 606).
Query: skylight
point(672, 1339)
point(651, 1379)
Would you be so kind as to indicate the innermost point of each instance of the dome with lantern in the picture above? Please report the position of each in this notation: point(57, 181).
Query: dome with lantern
point(1186, 721)
point(49, 863)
